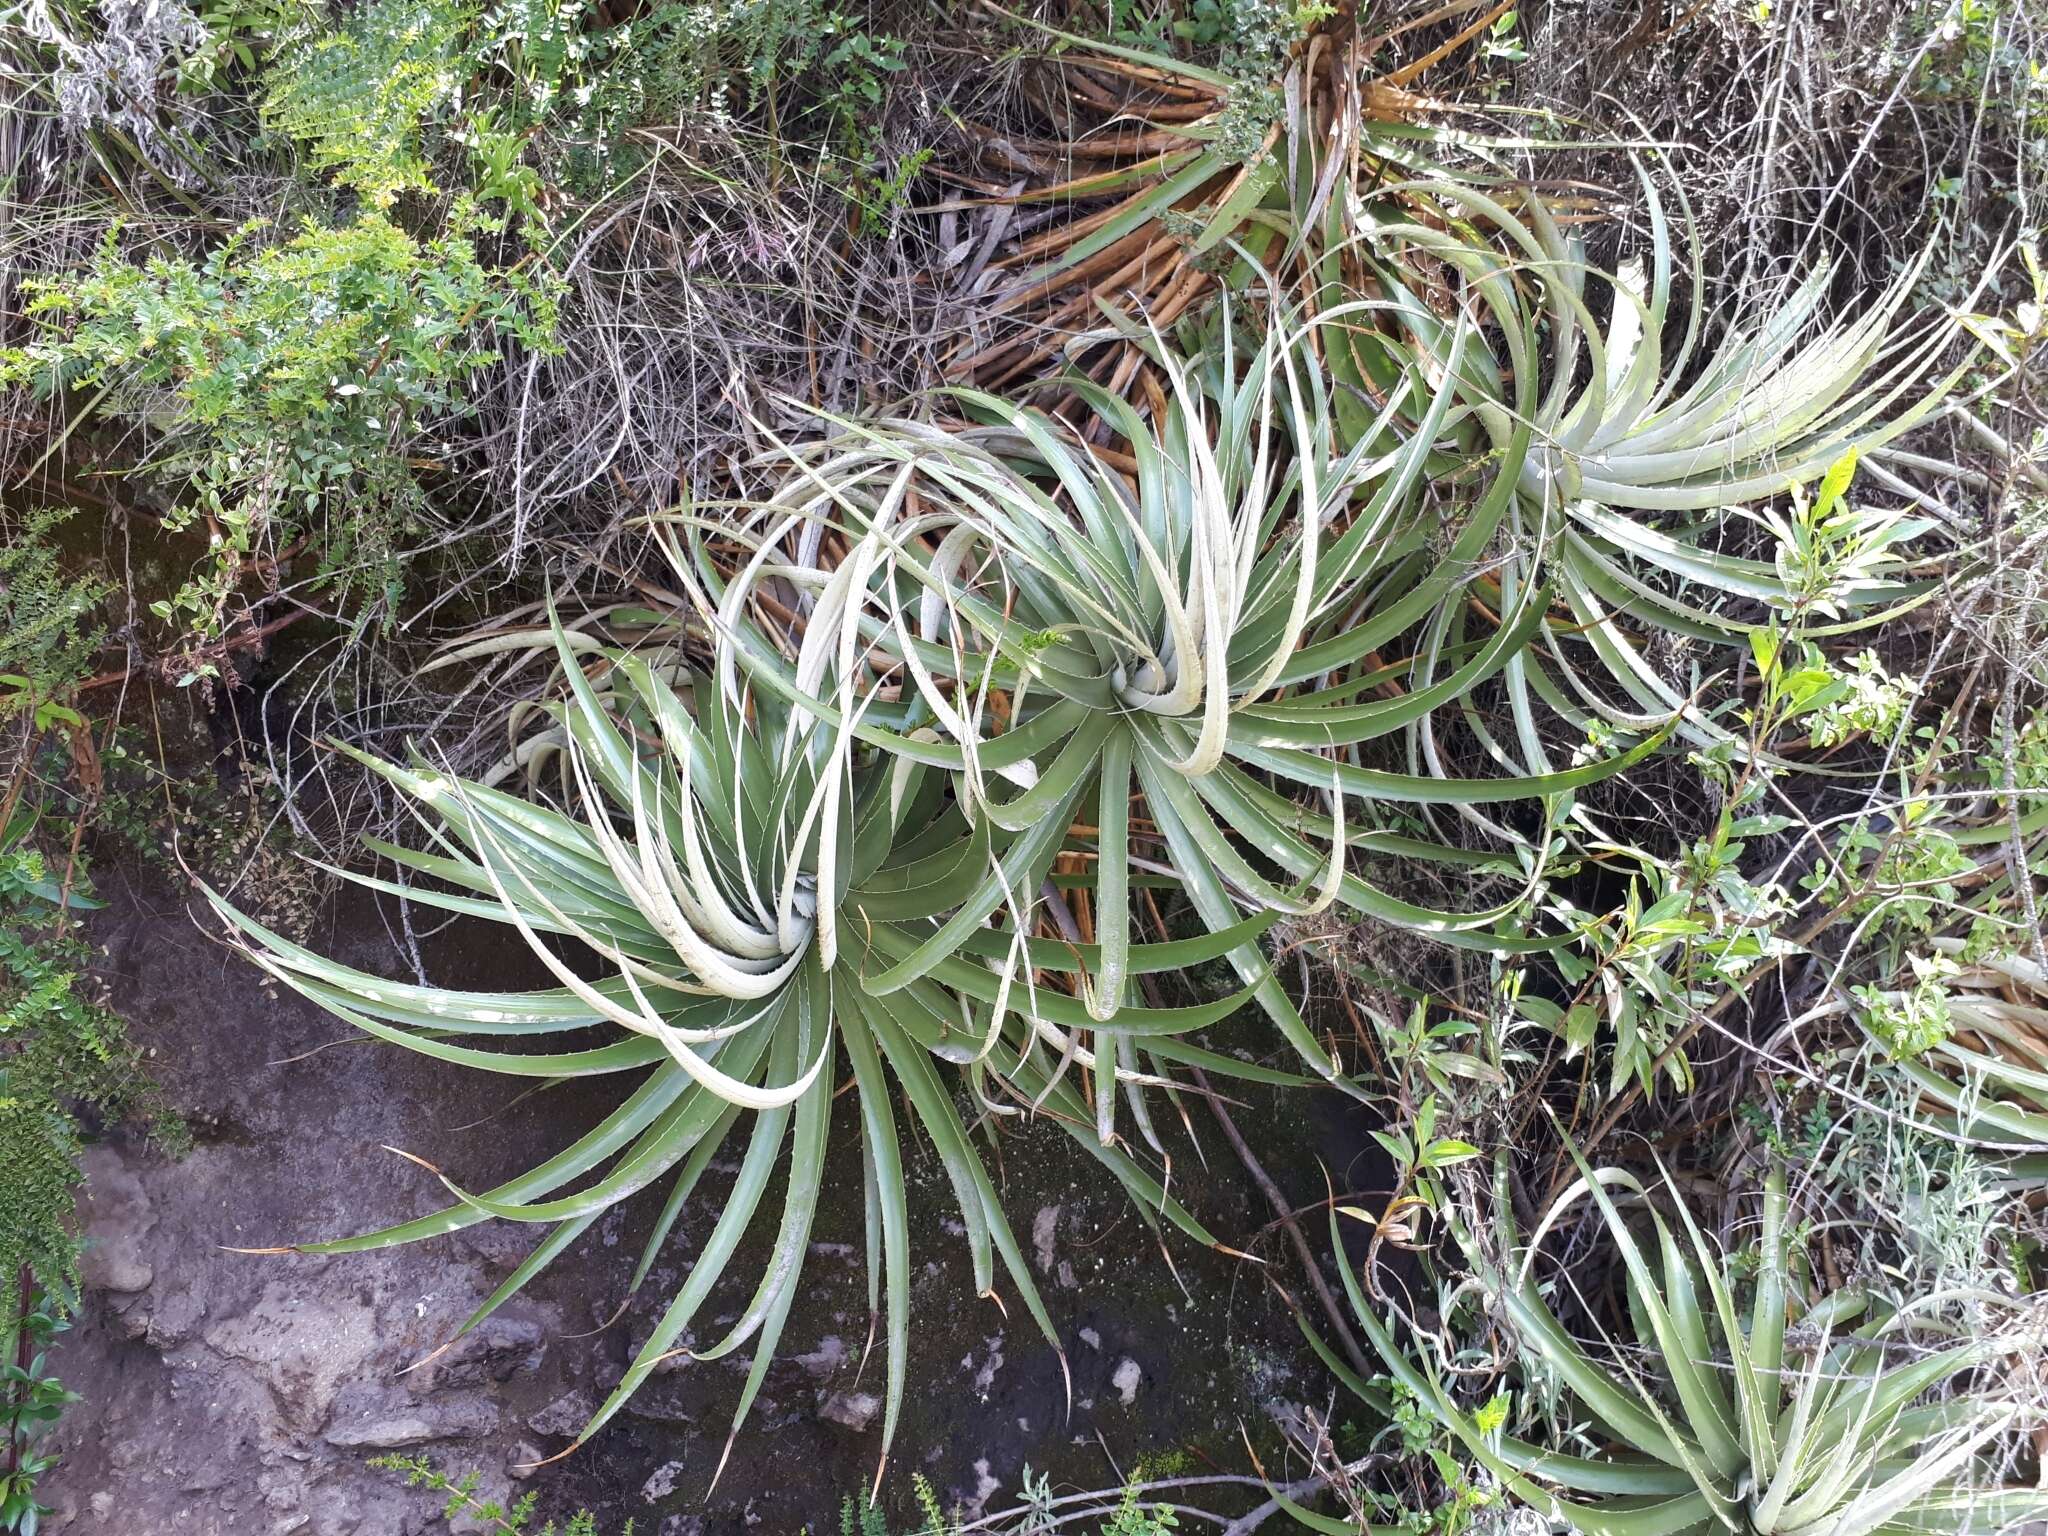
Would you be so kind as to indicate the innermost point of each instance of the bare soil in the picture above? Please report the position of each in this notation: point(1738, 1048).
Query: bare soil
point(234, 1393)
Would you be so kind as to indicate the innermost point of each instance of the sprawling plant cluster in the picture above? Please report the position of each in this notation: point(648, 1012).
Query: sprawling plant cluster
point(1324, 549)
point(970, 726)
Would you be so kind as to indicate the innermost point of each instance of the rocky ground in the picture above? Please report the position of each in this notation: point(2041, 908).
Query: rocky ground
point(231, 1393)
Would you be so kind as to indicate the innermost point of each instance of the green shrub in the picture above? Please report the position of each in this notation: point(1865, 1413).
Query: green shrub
point(290, 387)
point(49, 623)
point(31, 1401)
point(60, 1049)
point(461, 1502)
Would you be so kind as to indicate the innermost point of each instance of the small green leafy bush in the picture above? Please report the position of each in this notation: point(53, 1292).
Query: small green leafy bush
point(31, 1401)
point(291, 385)
point(485, 1513)
point(49, 628)
point(59, 1049)
point(359, 95)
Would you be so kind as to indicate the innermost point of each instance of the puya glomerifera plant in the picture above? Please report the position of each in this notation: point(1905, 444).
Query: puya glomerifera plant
point(1747, 1398)
point(740, 870)
point(979, 694)
point(1196, 635)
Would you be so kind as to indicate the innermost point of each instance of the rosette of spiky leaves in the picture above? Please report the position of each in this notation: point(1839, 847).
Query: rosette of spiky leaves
point(1787, 1416)
point(1187, 181)
point(1162, 669)
point(735, 870)
point(1642, 460)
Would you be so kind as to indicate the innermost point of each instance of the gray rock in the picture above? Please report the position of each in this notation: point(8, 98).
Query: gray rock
point(856, 1410)
point(165, 1317)
point(384, 1434)
point(115, 1217)
point(1045, 1228)
point(1127, 1378)
point(526, 1460)
point(305, 1347)
point(564, 1416)
point(283, 1489)
point(662, 1482)
point(377, 1415)
point(502, 1345)
point(827, 1358)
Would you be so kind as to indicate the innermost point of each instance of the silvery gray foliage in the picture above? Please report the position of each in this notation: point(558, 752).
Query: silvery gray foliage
point(121, 73)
